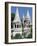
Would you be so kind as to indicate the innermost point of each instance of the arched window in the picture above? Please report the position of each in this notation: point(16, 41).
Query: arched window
point(15, 25)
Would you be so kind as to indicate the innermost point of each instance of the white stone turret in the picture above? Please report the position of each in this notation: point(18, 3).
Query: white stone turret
point(18, 28)
point(26, 24)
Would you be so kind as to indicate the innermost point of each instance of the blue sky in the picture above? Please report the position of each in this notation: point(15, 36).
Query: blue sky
point(22, 10)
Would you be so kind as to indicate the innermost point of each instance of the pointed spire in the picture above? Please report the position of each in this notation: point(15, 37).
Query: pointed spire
point(17, 18)
point(23, 16)
point(28, 15)
point(17, 13)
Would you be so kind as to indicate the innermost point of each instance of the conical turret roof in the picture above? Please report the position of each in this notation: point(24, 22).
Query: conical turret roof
point(28, 15)
point(17, 18)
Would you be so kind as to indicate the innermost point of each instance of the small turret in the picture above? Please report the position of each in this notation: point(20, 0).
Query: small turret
point(23, 18)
